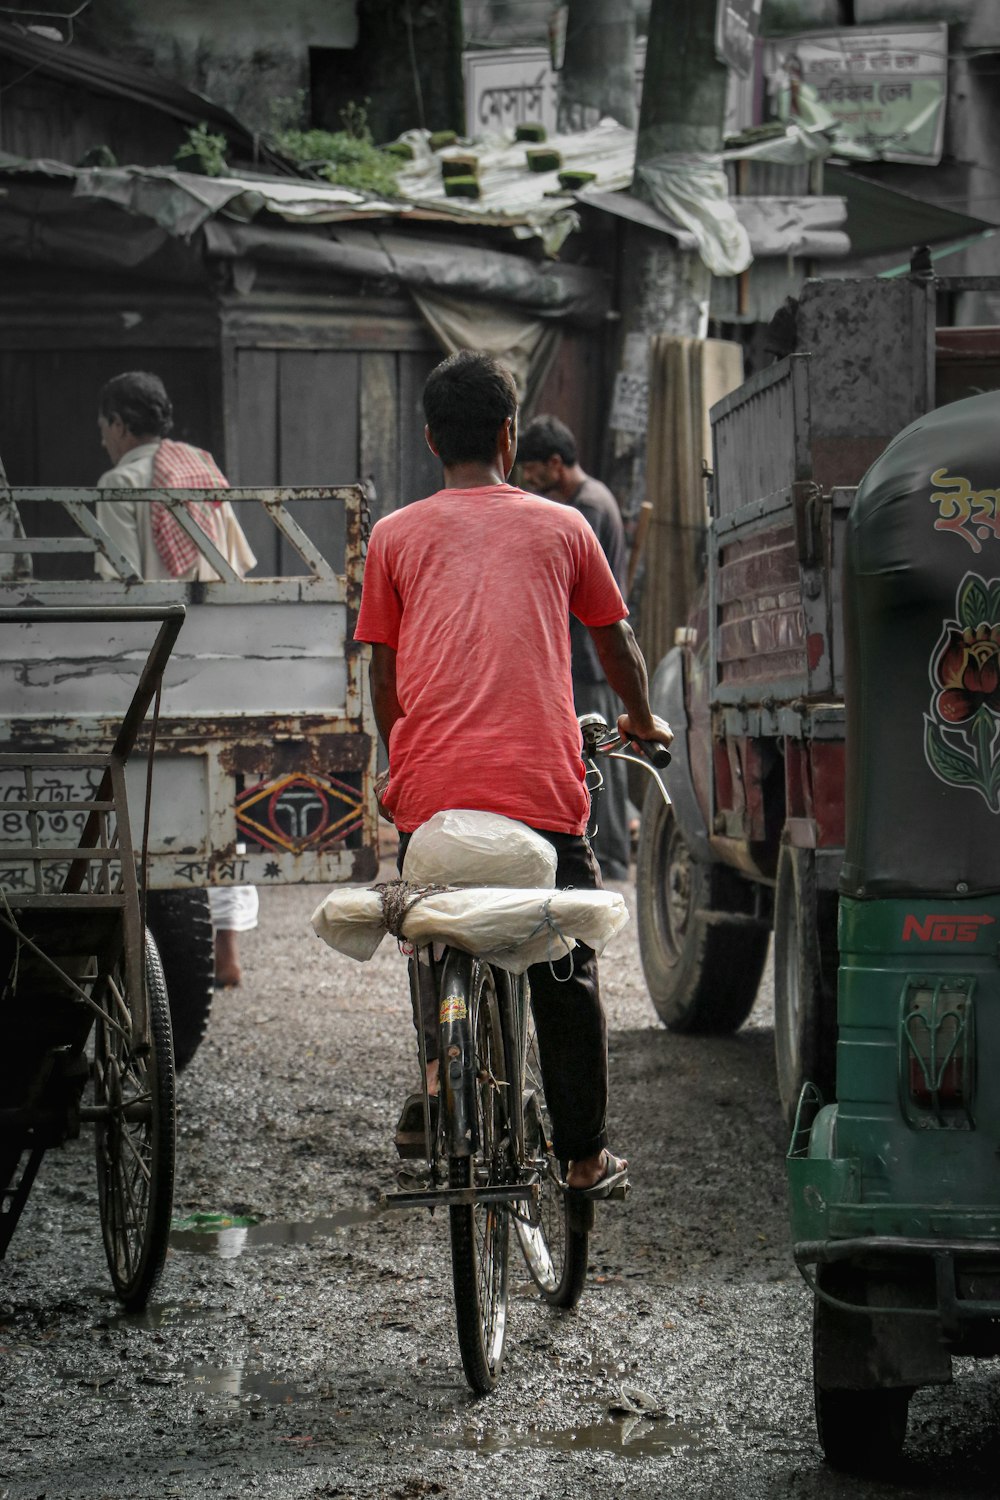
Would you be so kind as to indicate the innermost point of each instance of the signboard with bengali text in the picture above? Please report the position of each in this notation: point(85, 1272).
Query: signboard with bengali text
point(518, 86)
point(885, 88)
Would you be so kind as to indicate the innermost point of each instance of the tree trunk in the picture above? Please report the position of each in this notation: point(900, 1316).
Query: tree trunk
point(598, 72)
point(664, 289)
point(684, 93)
point(406, 69)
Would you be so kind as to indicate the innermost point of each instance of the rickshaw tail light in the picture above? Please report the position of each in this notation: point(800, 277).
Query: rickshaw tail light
point(937, 1053)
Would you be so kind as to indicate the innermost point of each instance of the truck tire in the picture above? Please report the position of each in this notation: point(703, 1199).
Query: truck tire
point(182, 927)
point(805, 980)
point(702, 947)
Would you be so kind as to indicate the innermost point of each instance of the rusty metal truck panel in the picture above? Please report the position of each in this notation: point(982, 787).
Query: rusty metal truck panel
point(264, 741)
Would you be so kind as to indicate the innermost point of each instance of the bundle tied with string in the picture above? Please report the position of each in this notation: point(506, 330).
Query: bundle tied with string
point(506, 926)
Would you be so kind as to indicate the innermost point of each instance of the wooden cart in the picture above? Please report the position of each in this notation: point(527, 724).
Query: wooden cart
point(84, 1020)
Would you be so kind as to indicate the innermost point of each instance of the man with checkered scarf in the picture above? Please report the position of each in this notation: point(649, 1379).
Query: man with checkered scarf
point(134, 417)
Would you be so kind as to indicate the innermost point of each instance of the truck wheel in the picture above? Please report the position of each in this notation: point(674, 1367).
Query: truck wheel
point(702, 948)
point(805, 979)
point(182, 928)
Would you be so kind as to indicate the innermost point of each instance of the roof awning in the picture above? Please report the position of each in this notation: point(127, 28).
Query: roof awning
point(881, 219)
point(800, 226)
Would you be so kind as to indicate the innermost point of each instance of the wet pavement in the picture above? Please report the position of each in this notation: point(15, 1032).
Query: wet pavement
point(301, 1342)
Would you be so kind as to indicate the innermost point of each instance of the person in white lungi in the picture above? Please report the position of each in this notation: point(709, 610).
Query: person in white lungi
point(134, 418)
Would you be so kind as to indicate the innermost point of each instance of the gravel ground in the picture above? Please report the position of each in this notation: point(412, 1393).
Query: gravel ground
point(312, 1352)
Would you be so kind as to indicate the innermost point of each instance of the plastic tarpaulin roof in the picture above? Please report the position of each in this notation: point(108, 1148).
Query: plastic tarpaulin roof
point(129, 218)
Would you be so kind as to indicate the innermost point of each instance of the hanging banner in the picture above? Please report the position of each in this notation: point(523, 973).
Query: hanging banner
point(736, 25)
point(883, 91)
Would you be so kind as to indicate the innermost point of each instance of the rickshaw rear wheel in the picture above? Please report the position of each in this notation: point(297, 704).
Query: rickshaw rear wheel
point(805, 980)
point(134, 1089)
point(702, 946)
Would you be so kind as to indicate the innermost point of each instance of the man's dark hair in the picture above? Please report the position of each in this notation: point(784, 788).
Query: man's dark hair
point(544, 436)
point(467, 399)
point(140, 399)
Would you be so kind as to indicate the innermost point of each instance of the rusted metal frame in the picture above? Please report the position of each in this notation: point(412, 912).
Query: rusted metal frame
point(46, 759)
point(290, 528)
point(754, 386)
point(150, 678)
point(55, 805)
point(54, 853)
point(177, 502)
point(33, 544)
point(758, 510)
point(75, 506)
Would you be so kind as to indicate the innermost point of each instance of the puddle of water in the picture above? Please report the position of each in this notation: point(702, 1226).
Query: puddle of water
point(228, 1381)
point(635, 1437)
point(235, 1381)
point(156, 1316)
point(229, 1238)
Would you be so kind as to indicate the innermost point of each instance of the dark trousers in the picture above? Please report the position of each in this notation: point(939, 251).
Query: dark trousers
point(569, 1020)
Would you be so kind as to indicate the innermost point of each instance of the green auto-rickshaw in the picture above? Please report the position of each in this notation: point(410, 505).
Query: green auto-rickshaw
point(895, 1188)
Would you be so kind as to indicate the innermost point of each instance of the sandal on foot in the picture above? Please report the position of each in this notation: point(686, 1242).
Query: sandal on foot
point(612, 1181)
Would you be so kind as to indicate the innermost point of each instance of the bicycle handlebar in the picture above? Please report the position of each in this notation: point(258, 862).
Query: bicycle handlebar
point(600, 739)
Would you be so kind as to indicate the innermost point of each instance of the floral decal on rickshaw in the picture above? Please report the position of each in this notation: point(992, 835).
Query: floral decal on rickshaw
point(961, 730)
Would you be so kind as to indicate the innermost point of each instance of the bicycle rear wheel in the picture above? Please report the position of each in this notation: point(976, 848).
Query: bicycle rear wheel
point(555, 1234)
point(480, 1232)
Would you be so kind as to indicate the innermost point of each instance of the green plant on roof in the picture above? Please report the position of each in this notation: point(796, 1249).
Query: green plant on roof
point(572, 178)
point(461, 187)
point(348, 157)
point(203, 152)
point(542, 159)
point(465, 165)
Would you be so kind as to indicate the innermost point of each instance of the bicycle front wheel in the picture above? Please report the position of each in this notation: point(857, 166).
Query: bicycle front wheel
point(480, 1232)
point(555, 1233)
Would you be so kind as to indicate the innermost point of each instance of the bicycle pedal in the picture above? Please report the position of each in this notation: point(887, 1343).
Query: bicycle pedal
point(619, 1192)
point(410, 1138)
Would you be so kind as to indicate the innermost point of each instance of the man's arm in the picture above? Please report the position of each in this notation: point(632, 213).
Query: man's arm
point(625, 670)
point(382, 676)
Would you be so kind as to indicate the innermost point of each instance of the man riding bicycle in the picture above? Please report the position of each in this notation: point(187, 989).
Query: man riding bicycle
point(465, 603)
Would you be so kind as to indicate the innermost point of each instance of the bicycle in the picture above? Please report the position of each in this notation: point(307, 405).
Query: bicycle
point(485, 1139)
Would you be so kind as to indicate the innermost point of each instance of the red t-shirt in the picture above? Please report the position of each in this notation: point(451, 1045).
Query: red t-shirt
point(473, 590)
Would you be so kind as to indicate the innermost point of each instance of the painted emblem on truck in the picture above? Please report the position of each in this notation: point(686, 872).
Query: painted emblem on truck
point(945, 927)
point(974, 515)
point(961, 730)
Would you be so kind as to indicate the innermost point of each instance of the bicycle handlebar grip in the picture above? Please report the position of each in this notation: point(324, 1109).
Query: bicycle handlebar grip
point(658, 755)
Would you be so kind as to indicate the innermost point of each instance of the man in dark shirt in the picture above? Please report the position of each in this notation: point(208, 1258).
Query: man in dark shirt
point(547, 453)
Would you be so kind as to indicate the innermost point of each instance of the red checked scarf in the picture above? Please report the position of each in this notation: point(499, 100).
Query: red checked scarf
point(178, 466)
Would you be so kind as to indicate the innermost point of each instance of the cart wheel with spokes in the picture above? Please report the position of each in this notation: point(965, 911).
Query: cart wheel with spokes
point(555, 1233)
point(134, 1098)
point(480, 1232)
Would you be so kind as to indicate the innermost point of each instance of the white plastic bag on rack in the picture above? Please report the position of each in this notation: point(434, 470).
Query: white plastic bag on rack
point(513, 928)
point(463, 847)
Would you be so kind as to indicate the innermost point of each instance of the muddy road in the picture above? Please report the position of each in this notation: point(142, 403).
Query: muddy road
point(301, 1345)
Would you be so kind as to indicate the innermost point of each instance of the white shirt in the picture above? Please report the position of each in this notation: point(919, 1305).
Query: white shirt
point(130, 525)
